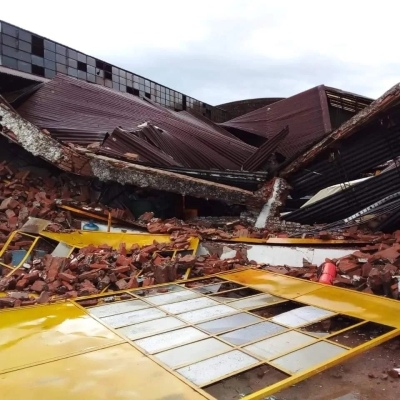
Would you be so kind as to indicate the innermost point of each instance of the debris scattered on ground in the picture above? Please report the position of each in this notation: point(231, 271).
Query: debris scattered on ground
point(99, 269)
point(373, 269)
point(247, 179)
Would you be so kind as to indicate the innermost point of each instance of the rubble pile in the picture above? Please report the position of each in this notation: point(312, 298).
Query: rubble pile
point(25, 194)
point(99, 269)
point(373, 269)
point(231, 229)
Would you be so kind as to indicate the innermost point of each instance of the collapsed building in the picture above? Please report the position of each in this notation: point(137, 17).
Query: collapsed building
point(200, 215)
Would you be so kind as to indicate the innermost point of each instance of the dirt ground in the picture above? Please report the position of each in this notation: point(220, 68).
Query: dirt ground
point(363, 377)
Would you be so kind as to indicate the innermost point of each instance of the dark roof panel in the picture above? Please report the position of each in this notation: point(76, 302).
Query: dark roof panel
point(79, 112)
point(306, 114)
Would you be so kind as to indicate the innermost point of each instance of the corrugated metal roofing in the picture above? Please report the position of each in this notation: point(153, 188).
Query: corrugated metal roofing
point(80, 112)
point(348, 201)
point(306, 114)
point(257, 160)
point(128, 144)
point(365, 149)
point(372, 112)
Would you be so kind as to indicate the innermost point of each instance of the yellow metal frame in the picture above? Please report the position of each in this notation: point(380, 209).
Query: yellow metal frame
point(28, 252)
point(79, 239)
point(369, 308)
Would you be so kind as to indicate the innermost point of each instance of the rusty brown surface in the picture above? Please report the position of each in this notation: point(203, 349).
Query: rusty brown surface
point(67, 158)
point(130, 146)
point(81, 113)
point(258, 160)
point(305, 113)
point(361, 119)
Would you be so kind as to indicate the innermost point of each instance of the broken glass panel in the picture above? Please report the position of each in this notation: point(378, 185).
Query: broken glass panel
point(117, 308)
point(231, 322)
point(166, 340)
point(255, 301)
point(275, 309)
point(301, 316)
point(308, 357)
point(252, 333)
point(360, 334)
point(212, 369)
point(279, 344)
point(234, 294)
point(330, 325)
point(217, 287)
point(192, 352)
point(157, 290)
point(203, 282)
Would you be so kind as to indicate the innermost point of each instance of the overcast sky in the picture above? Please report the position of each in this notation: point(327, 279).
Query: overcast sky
point(224, 50)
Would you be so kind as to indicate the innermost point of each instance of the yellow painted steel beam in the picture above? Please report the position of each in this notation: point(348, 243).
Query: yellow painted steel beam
point(59, 352)
point(81, 239)
point(292, 380)
point(47, 347)
point(28, 252)
point(340, 300)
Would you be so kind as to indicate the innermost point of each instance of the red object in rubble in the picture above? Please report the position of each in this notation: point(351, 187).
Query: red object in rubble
point(328, 273)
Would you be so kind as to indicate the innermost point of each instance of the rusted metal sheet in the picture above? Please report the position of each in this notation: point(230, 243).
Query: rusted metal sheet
point(374, 111)
point(257, 160)
point(306, 114)
point(66, 158)
point(126, 144)
point(353, 156)
point(348, 201)
point(79, 112)
point(310, 116)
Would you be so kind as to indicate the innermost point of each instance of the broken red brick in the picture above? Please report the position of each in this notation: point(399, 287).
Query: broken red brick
point(7, 302)
point(123, 260)
point(88, 302)
point(347, 264)
point(9, 203)
point(22, 283)
point(38, 286)
point(121, 284)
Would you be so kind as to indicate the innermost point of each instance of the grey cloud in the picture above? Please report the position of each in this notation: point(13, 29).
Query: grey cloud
point(218, 78)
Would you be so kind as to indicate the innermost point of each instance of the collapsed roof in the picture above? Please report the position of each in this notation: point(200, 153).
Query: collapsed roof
point(82, 162)
point(143, 144)
point(310, 116)
point(79, 112)
point(367, 140)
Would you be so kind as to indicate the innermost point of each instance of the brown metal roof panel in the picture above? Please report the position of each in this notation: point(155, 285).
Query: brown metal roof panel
point(373, 111)
point(66, 105)
point(257, 160)
point(123, 142)
point(202, 121)
point(304, 113)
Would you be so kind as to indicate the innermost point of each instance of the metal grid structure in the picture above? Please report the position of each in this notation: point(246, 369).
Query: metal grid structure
point(209, 330)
